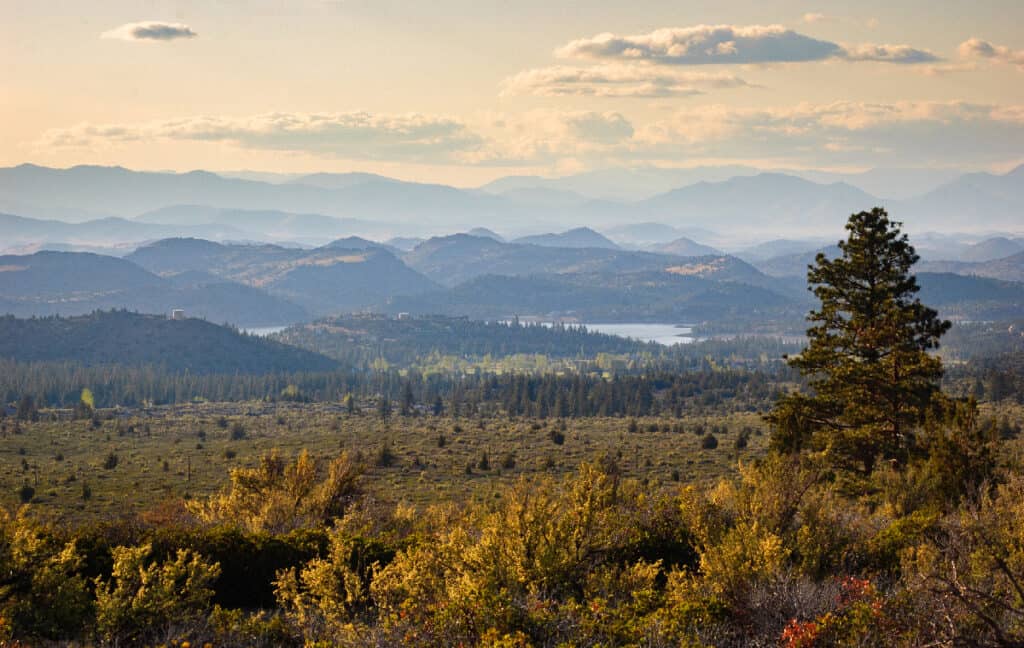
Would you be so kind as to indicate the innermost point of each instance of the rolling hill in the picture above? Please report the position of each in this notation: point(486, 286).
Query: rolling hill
point(122, 338)
point(451, 260)
point(685, 247)
point(602, 297)
point(323, 281)
point(581, 237)
point(74, 283)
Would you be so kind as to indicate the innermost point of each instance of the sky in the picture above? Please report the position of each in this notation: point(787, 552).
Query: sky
point(465, 91)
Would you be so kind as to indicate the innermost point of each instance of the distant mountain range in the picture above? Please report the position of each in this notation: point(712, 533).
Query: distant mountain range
point(581, 237)
point(477, 276)
point(736, 203)
point(323, 281)
point(74, 283)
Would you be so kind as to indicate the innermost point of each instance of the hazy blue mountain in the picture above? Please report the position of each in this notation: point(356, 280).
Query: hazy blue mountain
point(889, 183)
point(451, 260)
point(621, 184)
point(993, 248)
point(685, 247)
point(359, 243)
point(643, 234)
point(403, 243)
point(794, 265)
point(973, 297)
point(71, 275)
point(348, 283)
point(340, 180)
point(486, 233)
point(104, 231)
point(1010, 268)
point(324, 280)
point(625, 184)
point(73, 283)
point(125, 192)
point(580, 237)
point(761, 204)
point(122, 338)
point(975, 201)
point(122, 192)
point(603, 297)
point(544, 197)
point(267, 224)
point(778, 248)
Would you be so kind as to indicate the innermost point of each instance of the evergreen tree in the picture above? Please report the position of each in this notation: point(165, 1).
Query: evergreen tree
point(867, 363)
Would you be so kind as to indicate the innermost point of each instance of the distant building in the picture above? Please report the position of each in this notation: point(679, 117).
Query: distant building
point(403, 316)
point(178, 314)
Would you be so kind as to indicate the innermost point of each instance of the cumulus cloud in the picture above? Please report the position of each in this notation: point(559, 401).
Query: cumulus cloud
point(848, 132)
point(551, 137)
point(839, 133)
point(150, 31)
point(887, 54)
point(615, 80)
point(977, 48)
point(724, 44)
point(354, 135)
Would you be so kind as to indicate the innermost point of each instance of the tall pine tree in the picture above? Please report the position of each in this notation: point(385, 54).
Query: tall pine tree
point(872, 379)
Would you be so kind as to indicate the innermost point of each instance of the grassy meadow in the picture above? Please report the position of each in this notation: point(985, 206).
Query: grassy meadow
point(116, 464)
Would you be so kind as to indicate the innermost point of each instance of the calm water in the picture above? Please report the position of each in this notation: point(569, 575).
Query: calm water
point(263, 331)
point(667, 334)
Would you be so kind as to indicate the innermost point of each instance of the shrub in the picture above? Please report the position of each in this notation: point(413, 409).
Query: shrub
point(237, 431)
point(709, 441)
point(557, 436)
point(26, 493)
point(385, 456)
point(110, 462)
point(43, 593)
point(142, 599)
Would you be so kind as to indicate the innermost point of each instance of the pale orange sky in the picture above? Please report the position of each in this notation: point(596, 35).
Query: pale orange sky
point(462, 91)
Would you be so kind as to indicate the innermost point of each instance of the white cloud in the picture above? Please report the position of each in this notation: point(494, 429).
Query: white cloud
point(811, 18)
point(551, 137)
point(615, 80)
point(725, 44)
point(887, 54)
point(150, 30)
point(354, 135)
point(842, 132)
point(839, 133)
point(977, 48)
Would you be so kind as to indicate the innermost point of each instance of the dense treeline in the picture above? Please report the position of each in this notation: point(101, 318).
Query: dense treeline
point(357, 340)
point(590, 394)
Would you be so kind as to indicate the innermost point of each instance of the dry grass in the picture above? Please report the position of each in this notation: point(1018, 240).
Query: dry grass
point(188, 451)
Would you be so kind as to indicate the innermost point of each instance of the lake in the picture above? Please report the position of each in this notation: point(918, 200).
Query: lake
point(666, 334)
point(263, 331)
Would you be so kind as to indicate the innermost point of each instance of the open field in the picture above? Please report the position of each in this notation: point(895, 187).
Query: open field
point(189, 450)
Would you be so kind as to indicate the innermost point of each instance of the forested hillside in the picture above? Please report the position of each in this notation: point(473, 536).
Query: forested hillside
point(130, 339)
